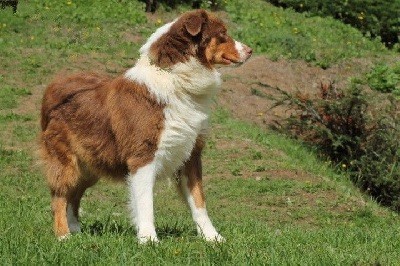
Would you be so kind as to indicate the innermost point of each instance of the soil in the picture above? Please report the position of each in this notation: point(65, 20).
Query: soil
point(243, 95)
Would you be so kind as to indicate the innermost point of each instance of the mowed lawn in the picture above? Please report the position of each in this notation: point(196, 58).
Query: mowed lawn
point(272, 199)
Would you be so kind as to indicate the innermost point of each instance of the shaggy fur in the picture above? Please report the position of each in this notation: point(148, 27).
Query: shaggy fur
point(149, 122)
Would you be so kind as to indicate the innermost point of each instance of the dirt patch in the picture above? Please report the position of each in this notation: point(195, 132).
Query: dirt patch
point(247, 100)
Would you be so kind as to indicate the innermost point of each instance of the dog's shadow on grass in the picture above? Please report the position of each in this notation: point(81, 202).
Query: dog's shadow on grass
point(110, 227)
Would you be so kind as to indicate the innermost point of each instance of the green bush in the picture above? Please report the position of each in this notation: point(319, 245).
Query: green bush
point(171, 4)
point(335, 121)
point(384, 78)
point(378, 169)
point(341, 125)
point(376, 18)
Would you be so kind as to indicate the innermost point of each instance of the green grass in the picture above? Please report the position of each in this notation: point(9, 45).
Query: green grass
point(272, 199)
point(266, 216)
point(285, 33)
point(9, 96)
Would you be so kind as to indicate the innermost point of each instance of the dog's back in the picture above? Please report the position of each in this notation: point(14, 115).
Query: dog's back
point(100, 123)
point(62, 90)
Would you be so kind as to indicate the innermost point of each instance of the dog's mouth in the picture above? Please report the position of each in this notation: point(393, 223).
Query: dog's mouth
point(230, 61)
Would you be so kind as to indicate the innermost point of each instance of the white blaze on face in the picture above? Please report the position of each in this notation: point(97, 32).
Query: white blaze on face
point(242, 50)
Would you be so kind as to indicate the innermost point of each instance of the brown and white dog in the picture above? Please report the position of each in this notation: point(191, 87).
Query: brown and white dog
point(149, 122)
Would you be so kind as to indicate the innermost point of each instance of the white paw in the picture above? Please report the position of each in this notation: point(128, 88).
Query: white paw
point(148, 240)
point(216, 238)
point(147, 236)
point(64, 237)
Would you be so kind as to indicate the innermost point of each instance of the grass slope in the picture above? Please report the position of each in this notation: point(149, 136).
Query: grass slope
point(273, 200)
point(285, 33)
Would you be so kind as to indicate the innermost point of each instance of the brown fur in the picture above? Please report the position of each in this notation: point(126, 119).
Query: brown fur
point(111, 126)
point(197, 34)
point(193, 170)
point(95, 126)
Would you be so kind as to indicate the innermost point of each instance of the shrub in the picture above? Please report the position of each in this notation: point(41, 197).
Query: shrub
point(335, 121)
point(341, 125)
point(377, 18)
point(378, 169)
point(152, 5)
point(384, 78)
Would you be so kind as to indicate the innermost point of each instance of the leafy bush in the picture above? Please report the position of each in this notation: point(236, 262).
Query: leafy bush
point(384, 78)
point(341, 125)
point(152, 5)
point(378, 169)
point(335, 122)
point(372, 17)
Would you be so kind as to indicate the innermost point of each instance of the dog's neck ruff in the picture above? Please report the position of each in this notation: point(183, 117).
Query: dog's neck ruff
point(190, 78)
point(186, 90)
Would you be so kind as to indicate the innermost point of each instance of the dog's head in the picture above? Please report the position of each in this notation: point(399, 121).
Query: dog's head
point(197, 34)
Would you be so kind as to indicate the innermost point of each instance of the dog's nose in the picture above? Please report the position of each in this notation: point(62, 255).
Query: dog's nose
point(248, 50)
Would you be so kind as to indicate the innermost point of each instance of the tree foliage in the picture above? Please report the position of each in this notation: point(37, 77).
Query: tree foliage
point(376, 18)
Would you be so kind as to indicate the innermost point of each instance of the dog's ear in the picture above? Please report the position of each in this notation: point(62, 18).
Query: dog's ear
point(195, 21)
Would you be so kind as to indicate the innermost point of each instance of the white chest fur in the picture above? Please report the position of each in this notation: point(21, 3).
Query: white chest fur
point(186, 90)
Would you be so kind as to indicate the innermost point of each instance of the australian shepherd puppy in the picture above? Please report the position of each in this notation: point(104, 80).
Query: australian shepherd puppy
point(151, 121)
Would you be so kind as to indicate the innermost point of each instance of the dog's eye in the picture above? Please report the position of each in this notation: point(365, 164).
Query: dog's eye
point(223, 37)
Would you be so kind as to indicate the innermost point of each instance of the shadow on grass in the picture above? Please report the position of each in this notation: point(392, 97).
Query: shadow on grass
point(108, 227)
point(112, 227)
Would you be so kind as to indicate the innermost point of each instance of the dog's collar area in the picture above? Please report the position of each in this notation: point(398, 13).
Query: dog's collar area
point(153, 62)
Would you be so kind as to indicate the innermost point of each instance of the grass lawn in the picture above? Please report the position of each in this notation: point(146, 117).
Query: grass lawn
point(272, 199)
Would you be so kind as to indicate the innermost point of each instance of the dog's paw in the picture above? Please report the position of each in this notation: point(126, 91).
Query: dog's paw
point(216, 238)
point(63, 237)
point(148, 236)
point(148, 240)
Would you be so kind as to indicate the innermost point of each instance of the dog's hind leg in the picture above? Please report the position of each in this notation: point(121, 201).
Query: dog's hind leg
point(74, 202)
point(192, 188)
point(63, 187)
point(59, 209)
point(141, 188)
point(62, 175)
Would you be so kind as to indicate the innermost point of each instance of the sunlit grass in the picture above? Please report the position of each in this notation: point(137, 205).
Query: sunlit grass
point(271, 197)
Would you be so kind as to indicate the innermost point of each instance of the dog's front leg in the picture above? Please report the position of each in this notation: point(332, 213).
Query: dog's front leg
point(192, 189)
point(141, 187)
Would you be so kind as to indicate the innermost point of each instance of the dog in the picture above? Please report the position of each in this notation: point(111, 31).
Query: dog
point(151, 121)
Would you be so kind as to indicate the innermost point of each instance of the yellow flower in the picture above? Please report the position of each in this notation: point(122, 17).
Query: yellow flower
point(159, 21)
point(69, 3)
point(32, 37)
point(177, 252)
